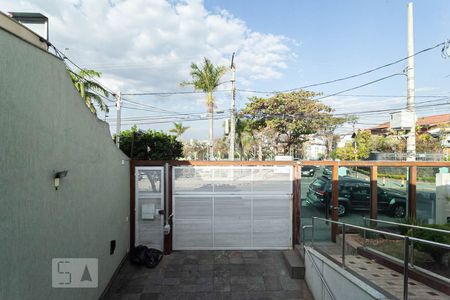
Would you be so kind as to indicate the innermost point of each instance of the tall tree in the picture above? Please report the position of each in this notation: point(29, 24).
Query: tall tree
point(206, 78)
point(178, 129)
point(286, 119)
point(363, 140)
point(90, 91)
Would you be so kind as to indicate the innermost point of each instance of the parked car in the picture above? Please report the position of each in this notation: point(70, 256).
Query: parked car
point(327, 171)
point(354, 194)
point(308, 171)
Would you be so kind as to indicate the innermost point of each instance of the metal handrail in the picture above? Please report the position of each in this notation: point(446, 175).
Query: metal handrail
point(303, 231)
point(446, 246)
point(320, 274)
point(408, 225)
point(406, 239)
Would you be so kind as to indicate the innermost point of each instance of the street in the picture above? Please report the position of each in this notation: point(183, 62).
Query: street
point(425, 203)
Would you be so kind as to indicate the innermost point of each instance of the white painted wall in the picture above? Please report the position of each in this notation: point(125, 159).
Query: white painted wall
point(341, 283)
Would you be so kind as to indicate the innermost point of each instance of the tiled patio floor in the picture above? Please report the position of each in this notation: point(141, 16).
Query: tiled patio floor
point(210, 275)
point(390, 280)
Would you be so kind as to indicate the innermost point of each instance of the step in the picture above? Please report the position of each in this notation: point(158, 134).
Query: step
point(300, 251)
point(294, 264)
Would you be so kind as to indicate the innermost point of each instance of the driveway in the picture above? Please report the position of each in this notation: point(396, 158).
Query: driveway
point(210, 275)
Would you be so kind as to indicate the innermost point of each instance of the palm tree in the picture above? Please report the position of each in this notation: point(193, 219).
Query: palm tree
point(179, 129)
point(206, 78)
point(90, 90)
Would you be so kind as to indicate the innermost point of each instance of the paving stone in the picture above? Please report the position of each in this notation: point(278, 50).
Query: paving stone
point(239, 295)
point(149, 296)
point(171, 281)
point(190, 267)
point(188, 288)
point(222, 284)
point(152, 288)
point(272, 283)
point(255, 283)
point(236, 260)
point(249, 254)
point(130, 296)
point(206, 261)
point(208, 275)
point(130, 290)
point(290, 284)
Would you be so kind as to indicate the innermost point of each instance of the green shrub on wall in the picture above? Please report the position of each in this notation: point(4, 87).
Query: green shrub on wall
point(150, 145)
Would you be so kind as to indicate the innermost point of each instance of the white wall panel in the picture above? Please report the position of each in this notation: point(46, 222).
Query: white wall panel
point(232, 207)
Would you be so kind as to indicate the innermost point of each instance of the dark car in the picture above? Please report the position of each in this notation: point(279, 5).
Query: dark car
point(327, 171)
point(308, 171)
point(354, 194)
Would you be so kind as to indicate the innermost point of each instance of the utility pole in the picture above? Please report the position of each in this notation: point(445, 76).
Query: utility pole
point(410, 106)
point(233, 110)
point(118, 121)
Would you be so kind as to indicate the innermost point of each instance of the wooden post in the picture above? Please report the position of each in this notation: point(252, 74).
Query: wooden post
point(373, 192)
point(334, 200)
point(131, 219)
point(412, 192)
point(296, 204)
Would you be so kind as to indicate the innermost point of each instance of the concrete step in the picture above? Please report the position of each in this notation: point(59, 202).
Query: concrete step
point(300, 251)
point(294, 264)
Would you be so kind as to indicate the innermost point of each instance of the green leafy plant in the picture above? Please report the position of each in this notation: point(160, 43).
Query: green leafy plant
point(439, 254)
point(150, 145)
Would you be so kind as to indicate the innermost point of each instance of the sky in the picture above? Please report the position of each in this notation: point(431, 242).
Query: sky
point(148, 46)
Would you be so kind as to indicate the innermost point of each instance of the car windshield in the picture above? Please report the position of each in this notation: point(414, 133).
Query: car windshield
point(318, 184)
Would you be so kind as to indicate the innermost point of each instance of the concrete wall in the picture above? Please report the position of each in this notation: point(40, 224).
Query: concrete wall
point(341, 283)
point(46, 127)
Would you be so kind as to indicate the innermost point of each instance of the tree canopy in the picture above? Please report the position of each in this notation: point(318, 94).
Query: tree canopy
point(150, 145)
point(287, 118)
point(364, 144)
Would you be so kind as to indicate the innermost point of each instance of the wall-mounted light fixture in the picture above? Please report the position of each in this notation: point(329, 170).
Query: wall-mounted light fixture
point(58, 176)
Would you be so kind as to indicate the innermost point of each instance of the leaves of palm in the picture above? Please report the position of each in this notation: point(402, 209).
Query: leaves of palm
point(205, 78)
point(179, 129)
point(90, 91)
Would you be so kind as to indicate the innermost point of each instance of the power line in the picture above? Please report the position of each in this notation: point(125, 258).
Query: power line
point(387, 110)
point(384, 110)
point(169, 93)
point(360, 86)
point(64, 57)
point(389, 96)
point(347, 77)
point(137, 118)
point(170, 121)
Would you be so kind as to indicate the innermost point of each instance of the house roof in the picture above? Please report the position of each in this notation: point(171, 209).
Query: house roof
point(423, 121)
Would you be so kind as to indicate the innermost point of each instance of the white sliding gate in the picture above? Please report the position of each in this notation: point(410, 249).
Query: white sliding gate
point(232, 207)
point(148, 203)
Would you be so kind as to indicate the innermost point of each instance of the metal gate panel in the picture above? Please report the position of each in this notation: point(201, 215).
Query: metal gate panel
point(149, 201)
point(218, 207)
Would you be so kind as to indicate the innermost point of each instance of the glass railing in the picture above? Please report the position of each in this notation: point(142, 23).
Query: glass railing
point(348, 254)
